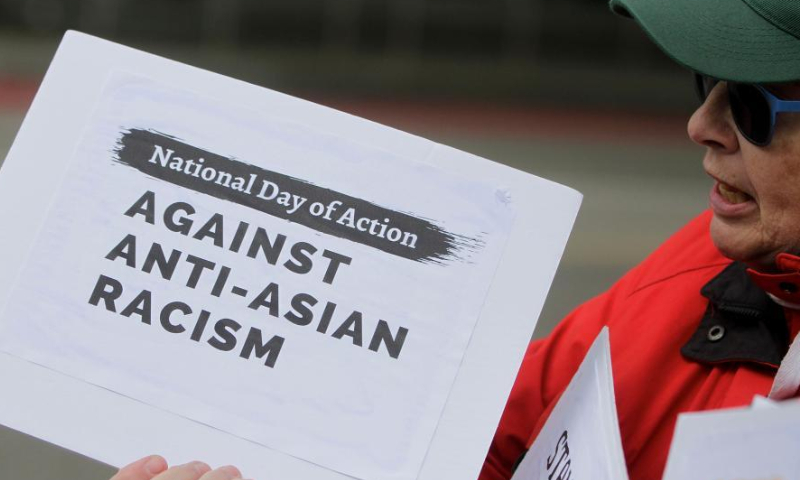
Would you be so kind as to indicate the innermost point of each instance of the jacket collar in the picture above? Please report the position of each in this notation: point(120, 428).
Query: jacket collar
point(783, 285)
point(741, 323)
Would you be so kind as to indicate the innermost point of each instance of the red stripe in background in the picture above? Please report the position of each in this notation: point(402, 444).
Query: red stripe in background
point(501, 121)
point(16, 94)
point(460, 117)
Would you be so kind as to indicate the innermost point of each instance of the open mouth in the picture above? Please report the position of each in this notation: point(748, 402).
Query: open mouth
point(731, 194)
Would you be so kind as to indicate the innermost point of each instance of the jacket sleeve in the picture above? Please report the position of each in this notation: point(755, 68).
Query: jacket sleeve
point(549, 364)
point(546, 370)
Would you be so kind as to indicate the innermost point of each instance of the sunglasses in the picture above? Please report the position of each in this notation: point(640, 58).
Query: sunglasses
point(754, 108)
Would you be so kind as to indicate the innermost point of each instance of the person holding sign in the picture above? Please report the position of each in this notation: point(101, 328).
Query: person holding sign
point(709, 319)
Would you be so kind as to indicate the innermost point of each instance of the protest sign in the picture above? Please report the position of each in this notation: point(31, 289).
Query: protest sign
point(756, 443)
point(581, 437)
point(208, 269)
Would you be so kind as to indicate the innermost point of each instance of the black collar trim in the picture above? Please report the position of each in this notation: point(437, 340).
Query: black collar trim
point(741, 323)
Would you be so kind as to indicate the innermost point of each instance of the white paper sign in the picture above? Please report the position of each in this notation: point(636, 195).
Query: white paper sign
point(758, 443)
point(581, 438)
point(230, 274)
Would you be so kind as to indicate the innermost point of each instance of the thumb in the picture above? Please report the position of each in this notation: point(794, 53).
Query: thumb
point(143, 469)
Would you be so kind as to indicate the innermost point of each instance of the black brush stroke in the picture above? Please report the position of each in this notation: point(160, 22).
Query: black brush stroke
point(434, 245)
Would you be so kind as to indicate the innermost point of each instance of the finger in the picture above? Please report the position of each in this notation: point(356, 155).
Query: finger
point(187, 471)
point(228, 472)
point(143, 469)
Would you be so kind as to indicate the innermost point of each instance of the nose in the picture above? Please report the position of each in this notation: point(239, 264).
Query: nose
point(712, 124)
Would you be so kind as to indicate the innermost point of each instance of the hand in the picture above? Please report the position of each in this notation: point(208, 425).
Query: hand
point(154, 467)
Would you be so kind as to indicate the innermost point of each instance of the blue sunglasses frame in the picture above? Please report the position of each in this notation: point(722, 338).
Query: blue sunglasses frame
point(776, 105)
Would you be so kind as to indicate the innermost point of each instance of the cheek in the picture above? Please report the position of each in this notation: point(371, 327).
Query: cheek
point(774, 173)
point(782, 156)
point(779, 203)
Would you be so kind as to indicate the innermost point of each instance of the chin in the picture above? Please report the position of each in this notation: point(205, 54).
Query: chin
point(739, 245)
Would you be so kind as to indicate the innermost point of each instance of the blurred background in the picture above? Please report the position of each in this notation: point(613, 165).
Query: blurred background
point(558, 88)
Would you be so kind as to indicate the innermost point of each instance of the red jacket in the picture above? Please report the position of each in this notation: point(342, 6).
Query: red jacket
point(690, 331)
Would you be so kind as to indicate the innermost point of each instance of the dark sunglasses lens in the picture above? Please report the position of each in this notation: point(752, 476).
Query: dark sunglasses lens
point(751, 113)
point(703, 85)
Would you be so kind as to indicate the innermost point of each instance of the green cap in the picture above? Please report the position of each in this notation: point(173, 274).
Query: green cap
point(748, 41)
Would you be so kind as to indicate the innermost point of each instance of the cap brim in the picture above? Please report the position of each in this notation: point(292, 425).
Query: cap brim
point(724, 39)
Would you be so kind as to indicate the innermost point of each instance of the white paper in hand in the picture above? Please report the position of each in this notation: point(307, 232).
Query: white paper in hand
point(581, 438)
point(758, 443)
point(207, 269)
